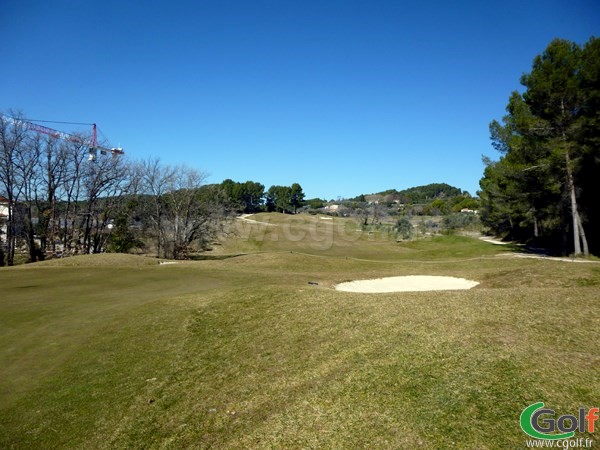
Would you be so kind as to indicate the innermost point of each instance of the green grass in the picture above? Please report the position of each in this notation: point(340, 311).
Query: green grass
point(115, 351)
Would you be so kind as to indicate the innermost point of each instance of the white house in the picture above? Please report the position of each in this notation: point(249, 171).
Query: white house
point(4, 203)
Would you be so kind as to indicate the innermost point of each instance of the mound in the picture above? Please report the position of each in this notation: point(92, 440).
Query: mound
point(407, 284)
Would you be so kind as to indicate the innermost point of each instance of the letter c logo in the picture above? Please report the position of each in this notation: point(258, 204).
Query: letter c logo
point(528, 427)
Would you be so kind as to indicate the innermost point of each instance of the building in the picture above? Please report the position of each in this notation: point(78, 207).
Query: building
point(4, 204)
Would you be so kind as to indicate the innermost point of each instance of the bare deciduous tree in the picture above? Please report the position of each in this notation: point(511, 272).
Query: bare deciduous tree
point(12, 137)
point(155, 181)
point(105, 183)
point(184, 215)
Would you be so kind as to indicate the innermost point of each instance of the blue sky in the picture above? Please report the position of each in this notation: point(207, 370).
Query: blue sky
point(343, 97)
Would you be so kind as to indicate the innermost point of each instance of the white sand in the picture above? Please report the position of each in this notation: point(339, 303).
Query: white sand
point(491, 240)
point(407, 284)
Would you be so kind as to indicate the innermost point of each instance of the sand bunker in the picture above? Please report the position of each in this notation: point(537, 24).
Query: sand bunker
point(407, 284)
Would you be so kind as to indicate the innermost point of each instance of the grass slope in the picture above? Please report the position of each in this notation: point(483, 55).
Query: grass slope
point(113, 351)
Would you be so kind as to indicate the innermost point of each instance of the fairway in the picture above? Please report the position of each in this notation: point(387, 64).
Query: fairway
point(253, 347)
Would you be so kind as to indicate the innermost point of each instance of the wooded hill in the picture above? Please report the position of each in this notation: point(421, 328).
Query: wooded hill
point(415, 195)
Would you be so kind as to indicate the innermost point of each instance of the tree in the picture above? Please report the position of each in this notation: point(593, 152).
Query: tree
point(253, 196)
point(27, 159)
point(105, 184)
point(548, 133)
point(315, 203)
point(440, 207)
point(155, 180)
point(554, 103)
point(183, 211)
point(279, 198)
point(232, 191)
point(73, 192)
point(296, 197)
point(182, 214)
point(12, 139)
point(404, 228)
point(122, 239)
point(465, 201)
point(287, 199)
point(54, 193)
point(49, 190)
point(247, 197)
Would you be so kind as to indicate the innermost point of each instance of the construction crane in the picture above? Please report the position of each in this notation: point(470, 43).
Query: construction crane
point(92, 143)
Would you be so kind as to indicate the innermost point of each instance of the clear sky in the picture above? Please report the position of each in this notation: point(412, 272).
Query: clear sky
point(343, 97)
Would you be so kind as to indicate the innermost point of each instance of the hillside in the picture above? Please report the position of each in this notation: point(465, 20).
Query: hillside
point(416, 195)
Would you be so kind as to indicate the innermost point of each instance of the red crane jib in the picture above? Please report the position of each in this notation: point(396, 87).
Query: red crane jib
point(54, 133)
point(92, 144)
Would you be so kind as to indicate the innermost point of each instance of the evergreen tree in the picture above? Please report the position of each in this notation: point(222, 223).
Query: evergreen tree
point(296, 197)
point(540, 187)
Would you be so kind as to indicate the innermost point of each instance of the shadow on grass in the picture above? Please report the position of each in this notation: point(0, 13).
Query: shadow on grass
point(203, 257)
point(533, 248)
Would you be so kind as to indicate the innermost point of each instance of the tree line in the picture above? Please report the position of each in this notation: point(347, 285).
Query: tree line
point(251, 197)
point(417, 194)
point(544, 188)
point(53, 194)
point(64, 203)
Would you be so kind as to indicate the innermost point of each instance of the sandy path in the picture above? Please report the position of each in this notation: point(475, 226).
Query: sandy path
point(547, 258)
point(244, 218)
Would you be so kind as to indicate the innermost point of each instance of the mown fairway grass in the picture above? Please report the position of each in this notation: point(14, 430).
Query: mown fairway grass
point(115, 351)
